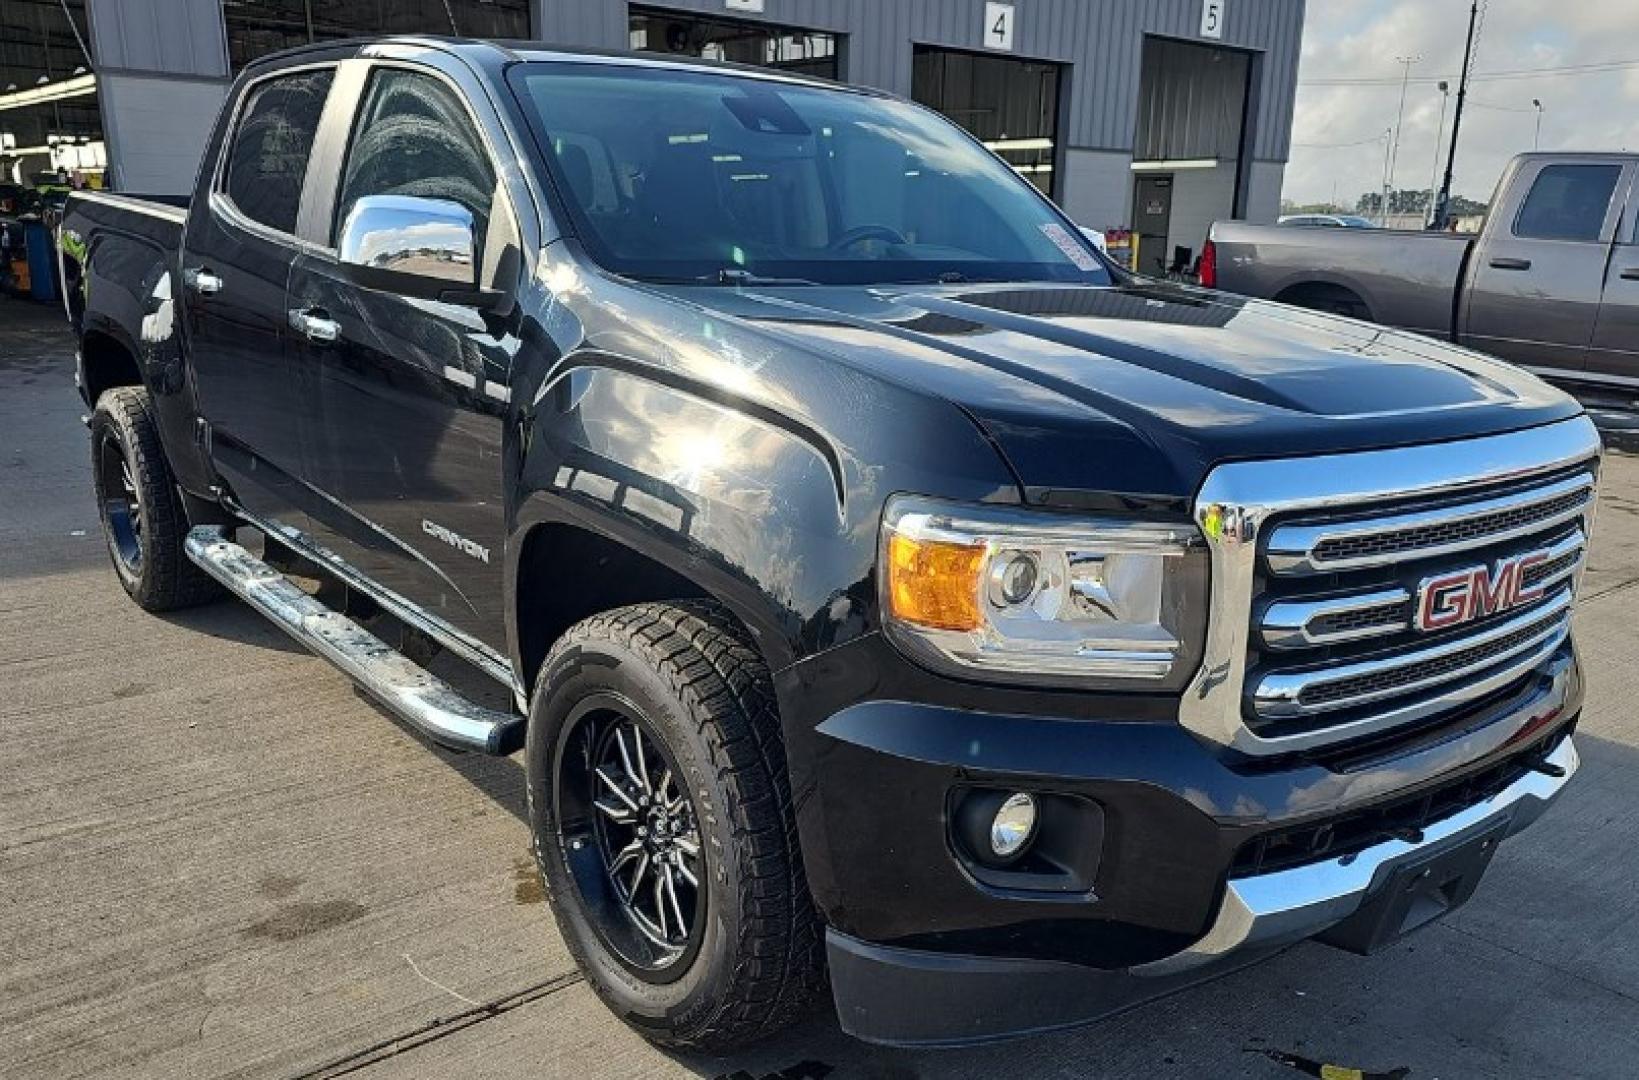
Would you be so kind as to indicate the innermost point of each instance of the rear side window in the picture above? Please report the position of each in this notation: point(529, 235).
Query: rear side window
point(414, 137)
point(1568, 202)
point(268, 158)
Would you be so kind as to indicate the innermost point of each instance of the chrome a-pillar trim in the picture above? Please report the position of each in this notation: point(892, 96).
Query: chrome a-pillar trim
point(1268, 911)
point(1239, 498)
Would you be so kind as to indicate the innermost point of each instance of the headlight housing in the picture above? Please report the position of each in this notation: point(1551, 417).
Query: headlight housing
point(1043, 598)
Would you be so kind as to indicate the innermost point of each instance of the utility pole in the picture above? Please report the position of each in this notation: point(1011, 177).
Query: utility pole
point(1439, 133)
point(1400, 116)
point(1388, 145)
point(1443, 203)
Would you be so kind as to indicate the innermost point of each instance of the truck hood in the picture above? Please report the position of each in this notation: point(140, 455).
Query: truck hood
point(1138, 390)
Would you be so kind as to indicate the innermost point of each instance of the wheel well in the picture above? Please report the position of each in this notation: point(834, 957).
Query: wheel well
point(1325, 296)
point(105, 364)
point(566, 574)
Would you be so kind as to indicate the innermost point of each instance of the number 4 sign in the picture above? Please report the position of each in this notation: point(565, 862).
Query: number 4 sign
point(1212, 18)
point(999, 27)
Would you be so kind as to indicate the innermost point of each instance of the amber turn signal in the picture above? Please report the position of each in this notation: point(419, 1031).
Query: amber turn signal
point(935, 583)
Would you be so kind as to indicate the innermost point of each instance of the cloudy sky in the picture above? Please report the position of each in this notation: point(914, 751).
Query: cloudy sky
point(1346, 41)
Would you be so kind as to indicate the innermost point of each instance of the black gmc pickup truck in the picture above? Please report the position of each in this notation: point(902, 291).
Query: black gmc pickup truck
point(882, 582)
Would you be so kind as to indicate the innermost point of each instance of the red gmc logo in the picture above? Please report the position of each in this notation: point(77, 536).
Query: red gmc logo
point(1452, 599)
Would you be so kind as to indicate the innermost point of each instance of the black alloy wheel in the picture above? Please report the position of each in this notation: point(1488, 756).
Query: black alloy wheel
point(121, 512)
point(620, 800)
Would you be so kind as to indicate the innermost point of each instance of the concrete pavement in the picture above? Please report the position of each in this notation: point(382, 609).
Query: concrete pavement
point(218, 859)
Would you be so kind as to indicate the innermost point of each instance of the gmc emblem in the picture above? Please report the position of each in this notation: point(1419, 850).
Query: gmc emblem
point(1448, 600)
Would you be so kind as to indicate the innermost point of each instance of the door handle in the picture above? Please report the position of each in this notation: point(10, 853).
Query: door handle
point(203, 281)
point(314, 326)
point(1631, 274)
point(1511, 264)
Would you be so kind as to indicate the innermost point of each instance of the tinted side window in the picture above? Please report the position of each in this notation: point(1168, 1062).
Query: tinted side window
point(268, 157)
point(1568, 202)
point(414, 137)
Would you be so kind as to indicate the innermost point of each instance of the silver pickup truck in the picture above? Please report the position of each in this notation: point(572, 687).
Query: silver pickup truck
point(1551, 282)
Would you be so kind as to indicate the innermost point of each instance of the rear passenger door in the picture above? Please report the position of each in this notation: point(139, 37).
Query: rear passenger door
point(1614, 356)
point(408, 397)
point(236, 258)
point(1538, 272)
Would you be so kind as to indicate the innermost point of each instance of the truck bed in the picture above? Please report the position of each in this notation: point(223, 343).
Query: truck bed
point(1404, 278)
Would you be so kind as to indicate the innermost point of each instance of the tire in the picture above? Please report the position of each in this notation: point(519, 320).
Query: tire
point(141, 510)
point(683, 676)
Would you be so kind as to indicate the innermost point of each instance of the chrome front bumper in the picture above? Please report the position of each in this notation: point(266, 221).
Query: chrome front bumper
point(1272, 910)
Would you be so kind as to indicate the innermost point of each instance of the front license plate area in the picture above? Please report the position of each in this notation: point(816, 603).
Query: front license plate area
point(1416, 892)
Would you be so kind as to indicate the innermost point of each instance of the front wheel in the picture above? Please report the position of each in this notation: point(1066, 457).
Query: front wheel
point(142, 514)
point(663, 826)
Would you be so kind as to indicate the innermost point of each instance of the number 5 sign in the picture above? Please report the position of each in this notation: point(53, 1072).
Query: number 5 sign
point(999, 27)
point(1212, 18)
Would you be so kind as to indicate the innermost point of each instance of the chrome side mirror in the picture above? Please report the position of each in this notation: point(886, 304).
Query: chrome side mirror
point(429, 239)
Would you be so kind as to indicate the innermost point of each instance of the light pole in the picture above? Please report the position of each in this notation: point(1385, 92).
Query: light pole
point(1439, 133)
point(1536, 141)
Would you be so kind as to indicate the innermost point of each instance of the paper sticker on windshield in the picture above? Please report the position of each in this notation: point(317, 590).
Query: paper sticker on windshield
point(1076, 253)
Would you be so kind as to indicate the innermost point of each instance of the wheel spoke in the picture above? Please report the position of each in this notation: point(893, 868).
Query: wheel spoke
point(619, 791)
point(625, 757)
point(671, 892)
point(689, 844)
point(660, 905)
point(687, 874)
point(643, 764)
point(626, 855)
point(620, 815)
point(637, 876)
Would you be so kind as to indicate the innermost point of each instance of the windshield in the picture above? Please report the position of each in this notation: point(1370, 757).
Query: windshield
point(675, 175)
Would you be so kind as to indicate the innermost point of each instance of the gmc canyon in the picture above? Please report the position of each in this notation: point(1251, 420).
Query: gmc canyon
point(883, 583)
point(1550, 283)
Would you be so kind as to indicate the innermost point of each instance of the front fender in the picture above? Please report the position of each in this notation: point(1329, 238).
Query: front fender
point(754, 511)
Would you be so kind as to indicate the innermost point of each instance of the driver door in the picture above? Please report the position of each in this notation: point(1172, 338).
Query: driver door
point(409, 396)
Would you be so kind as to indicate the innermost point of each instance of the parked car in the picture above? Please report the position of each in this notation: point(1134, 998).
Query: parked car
point(1551, 282)
point(883, 582)
point(1333, 221)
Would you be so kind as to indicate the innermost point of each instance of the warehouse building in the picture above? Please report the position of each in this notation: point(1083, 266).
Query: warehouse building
point(1151, 115)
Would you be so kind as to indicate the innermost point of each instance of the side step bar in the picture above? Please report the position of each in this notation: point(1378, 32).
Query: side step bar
point(421, 699)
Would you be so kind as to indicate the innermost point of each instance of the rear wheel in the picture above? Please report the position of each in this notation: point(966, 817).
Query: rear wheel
point(142, 514)
point(663, 827)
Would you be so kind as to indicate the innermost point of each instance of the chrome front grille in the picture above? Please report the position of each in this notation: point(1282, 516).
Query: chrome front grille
point(1421, 534)
point(1327, 567)
point(1305, 693)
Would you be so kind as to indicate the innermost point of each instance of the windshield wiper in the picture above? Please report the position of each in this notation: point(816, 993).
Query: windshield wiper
point(735, 276)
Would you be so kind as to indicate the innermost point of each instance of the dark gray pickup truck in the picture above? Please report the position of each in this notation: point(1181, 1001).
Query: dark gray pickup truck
point(1551, 283)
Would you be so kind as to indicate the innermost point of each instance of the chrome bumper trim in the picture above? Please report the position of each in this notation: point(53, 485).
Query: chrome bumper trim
point(1268, 911)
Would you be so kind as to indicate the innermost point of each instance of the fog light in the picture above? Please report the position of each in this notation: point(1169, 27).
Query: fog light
point(1011, 828)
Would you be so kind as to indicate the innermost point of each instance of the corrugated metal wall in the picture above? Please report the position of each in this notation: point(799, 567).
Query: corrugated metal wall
point(1190, 102)
point(176, 37)
point(1103, 39)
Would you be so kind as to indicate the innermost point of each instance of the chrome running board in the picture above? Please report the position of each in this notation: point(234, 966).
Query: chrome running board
point(419, 698)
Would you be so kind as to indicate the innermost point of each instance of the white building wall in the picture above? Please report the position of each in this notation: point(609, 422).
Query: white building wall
point(1199, 197)
point(1096, 190)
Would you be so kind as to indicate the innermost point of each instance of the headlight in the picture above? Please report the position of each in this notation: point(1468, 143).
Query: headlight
point(1044, 598)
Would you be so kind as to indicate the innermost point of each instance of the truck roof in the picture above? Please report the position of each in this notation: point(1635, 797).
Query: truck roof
point(503, 51)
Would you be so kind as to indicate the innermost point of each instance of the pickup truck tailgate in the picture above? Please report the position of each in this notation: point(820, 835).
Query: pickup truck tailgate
point(1407, 279)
